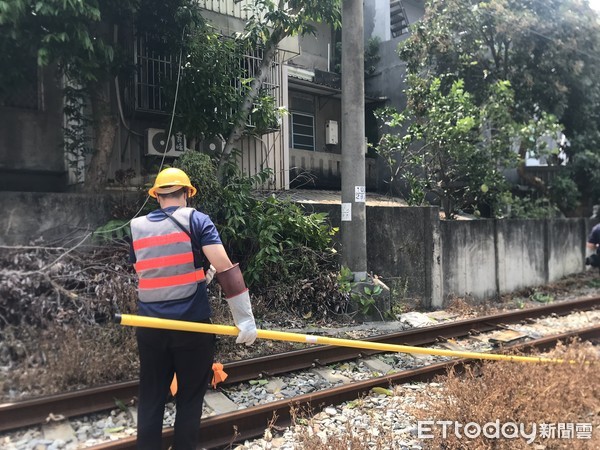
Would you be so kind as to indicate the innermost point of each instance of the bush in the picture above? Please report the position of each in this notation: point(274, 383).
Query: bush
point(274, 241)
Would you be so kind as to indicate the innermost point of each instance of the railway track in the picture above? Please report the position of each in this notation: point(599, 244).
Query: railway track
point(35, 411)
point(219, 431)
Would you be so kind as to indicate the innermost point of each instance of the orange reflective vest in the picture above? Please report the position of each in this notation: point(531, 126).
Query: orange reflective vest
point(164, 258)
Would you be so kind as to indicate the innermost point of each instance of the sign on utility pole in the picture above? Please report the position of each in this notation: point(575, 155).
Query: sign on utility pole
point(353, 224)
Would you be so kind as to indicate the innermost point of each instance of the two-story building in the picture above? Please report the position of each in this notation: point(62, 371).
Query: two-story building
point(305, 151)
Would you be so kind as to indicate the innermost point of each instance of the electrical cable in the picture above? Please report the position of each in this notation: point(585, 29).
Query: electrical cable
point(166, 143)
point(88, 235)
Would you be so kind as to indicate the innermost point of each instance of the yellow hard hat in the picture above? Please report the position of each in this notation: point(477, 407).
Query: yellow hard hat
point(169, 180)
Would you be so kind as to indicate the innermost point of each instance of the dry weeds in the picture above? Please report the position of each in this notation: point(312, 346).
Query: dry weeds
point(520, 393)
point(310, 436)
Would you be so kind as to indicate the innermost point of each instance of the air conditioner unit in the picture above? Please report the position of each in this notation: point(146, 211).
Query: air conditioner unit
point(156, 143)
point(212, 145)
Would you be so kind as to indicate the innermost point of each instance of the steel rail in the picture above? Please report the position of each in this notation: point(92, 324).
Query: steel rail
point(220, 431)
point(20, 414)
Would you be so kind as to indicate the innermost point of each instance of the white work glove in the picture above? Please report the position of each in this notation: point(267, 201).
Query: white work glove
point(241, 310)
point(209, 275)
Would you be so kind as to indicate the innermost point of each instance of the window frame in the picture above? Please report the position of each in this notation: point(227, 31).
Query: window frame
point(303, 146)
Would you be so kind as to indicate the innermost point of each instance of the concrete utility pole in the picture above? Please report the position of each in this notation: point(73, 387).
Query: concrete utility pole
point(353, 224)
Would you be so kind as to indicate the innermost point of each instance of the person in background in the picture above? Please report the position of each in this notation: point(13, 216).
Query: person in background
point(593, 247)
point(168, 250)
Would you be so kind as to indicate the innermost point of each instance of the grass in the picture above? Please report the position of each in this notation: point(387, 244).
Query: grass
point(521, 393)
point(494, 390)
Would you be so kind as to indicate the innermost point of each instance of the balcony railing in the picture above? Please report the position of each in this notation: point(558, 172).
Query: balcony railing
point(232, 8)
point(322, 170)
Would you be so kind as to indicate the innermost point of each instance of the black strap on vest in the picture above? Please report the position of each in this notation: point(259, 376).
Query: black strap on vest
point(197, 251)
point(176, 222)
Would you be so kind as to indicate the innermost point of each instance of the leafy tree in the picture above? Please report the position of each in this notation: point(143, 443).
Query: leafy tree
point(71, 35)
point(452, 148)
point(217, 94)
point(270, 22)
point(82, 39)
point(547, 49)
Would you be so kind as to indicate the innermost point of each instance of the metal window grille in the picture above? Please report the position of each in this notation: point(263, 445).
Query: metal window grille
point(303, 131)
point(153, 71)
point(250, 64)
point(233, 8)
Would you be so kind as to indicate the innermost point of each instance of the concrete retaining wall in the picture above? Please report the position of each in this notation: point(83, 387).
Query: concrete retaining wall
point(437, 260)
point(469, 258)
point(57, 218)
point(522, 254)
point(483, 259)
point(566, 245)
point(428, 259)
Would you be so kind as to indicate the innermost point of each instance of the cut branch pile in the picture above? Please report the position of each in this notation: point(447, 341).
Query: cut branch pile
point(55, 318)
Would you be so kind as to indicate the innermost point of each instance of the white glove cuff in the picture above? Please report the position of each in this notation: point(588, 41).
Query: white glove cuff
point(241, 310)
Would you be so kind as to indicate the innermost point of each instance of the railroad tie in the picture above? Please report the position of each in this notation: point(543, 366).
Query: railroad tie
point(377, 365)
point(330, 377)
point(62, 430)
point(451, 344)
point(219, 402)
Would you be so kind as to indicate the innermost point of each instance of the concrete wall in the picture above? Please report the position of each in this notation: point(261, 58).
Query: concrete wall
point(565, 247)
point(388, 80)
point(483, 259)
point(469, 259)
point(522, 254)
point(432, 259)
point(480, 259)
point(401, 244)
point(56, 218)
point(316, 50)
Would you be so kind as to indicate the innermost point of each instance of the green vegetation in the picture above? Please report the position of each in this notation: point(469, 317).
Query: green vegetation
point(275, 241)
point(86, 40)
point(364, 298)
point(485, 77)
point(445, 150)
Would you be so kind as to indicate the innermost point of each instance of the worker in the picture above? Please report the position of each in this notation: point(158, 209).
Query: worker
point(168, 250)
point(593, 247)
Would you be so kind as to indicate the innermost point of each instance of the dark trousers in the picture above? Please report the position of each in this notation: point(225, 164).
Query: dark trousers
point(162, 353)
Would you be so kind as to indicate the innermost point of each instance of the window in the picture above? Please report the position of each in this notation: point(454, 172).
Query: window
point(303, 131)
point(398, 18)
point(22, 91)
point(153, 71)
point(156, 68)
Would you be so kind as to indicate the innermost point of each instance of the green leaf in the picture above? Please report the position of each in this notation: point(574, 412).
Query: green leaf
point(382, 391)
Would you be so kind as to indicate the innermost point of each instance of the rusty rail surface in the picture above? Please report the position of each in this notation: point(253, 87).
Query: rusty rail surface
point(35, 411)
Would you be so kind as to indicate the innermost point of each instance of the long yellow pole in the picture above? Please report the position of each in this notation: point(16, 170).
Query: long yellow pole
point(153, 322)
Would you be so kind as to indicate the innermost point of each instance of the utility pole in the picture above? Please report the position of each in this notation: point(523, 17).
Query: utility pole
point(353, 224)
